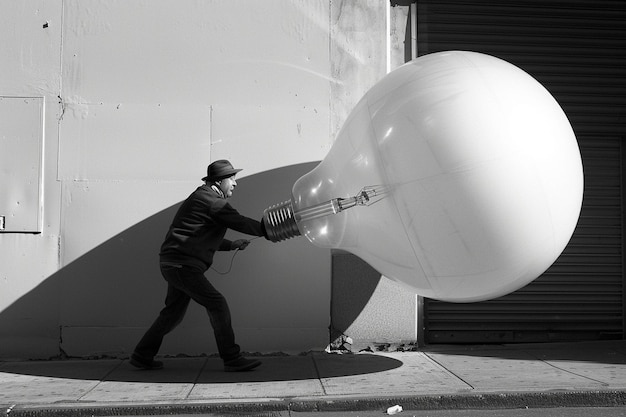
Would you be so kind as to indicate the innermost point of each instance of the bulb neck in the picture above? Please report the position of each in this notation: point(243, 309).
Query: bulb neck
point(280, 222)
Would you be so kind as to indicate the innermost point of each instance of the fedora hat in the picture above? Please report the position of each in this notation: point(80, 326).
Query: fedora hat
point(219, 170)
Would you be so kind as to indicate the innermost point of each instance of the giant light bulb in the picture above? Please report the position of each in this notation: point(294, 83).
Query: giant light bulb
point(457, 174)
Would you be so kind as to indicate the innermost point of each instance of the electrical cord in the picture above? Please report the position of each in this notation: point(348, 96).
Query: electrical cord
point(232, 260)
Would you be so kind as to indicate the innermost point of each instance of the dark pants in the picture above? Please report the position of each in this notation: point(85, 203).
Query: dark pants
point(184, 284)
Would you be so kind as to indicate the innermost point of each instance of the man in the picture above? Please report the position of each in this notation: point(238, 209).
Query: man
point(197, 231)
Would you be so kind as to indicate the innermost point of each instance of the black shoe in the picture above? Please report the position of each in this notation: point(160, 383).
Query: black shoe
point(241, 364)
point(140, 363)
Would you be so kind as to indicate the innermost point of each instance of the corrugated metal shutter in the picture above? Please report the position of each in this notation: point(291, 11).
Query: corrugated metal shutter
point(576, 49)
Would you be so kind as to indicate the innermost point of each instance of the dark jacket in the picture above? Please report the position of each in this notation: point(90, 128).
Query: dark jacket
point(199, 226)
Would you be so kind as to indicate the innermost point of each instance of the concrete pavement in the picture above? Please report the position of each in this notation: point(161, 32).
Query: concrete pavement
point(432, 377)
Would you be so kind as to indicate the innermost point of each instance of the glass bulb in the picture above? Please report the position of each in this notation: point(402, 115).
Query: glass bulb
point(457, 174)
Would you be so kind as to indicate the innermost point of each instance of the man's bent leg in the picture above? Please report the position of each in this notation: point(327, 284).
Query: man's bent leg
point(219, 314)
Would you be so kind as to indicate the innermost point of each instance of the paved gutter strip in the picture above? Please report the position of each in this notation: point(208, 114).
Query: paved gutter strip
point(274, 408)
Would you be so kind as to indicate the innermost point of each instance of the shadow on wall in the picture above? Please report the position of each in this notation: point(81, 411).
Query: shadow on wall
point(100, 304)
point(353, 283)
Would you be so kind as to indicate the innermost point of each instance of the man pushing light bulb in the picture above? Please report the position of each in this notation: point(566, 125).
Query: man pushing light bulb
point(457, 175)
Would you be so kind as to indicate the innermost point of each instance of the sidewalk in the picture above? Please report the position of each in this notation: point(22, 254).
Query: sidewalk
point(434, 377)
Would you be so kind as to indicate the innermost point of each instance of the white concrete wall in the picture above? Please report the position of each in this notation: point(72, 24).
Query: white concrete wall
point(139, 97)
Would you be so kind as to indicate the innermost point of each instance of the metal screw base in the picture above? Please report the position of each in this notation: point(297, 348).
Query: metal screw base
point(280, 223)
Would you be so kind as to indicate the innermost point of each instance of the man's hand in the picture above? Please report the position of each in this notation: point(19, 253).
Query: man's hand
point(239, 244)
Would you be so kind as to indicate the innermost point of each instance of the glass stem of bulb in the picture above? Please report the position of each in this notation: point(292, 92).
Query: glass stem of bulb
point(281, 220)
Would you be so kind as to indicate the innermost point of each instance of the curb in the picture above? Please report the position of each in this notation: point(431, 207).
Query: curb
point(548, 399)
